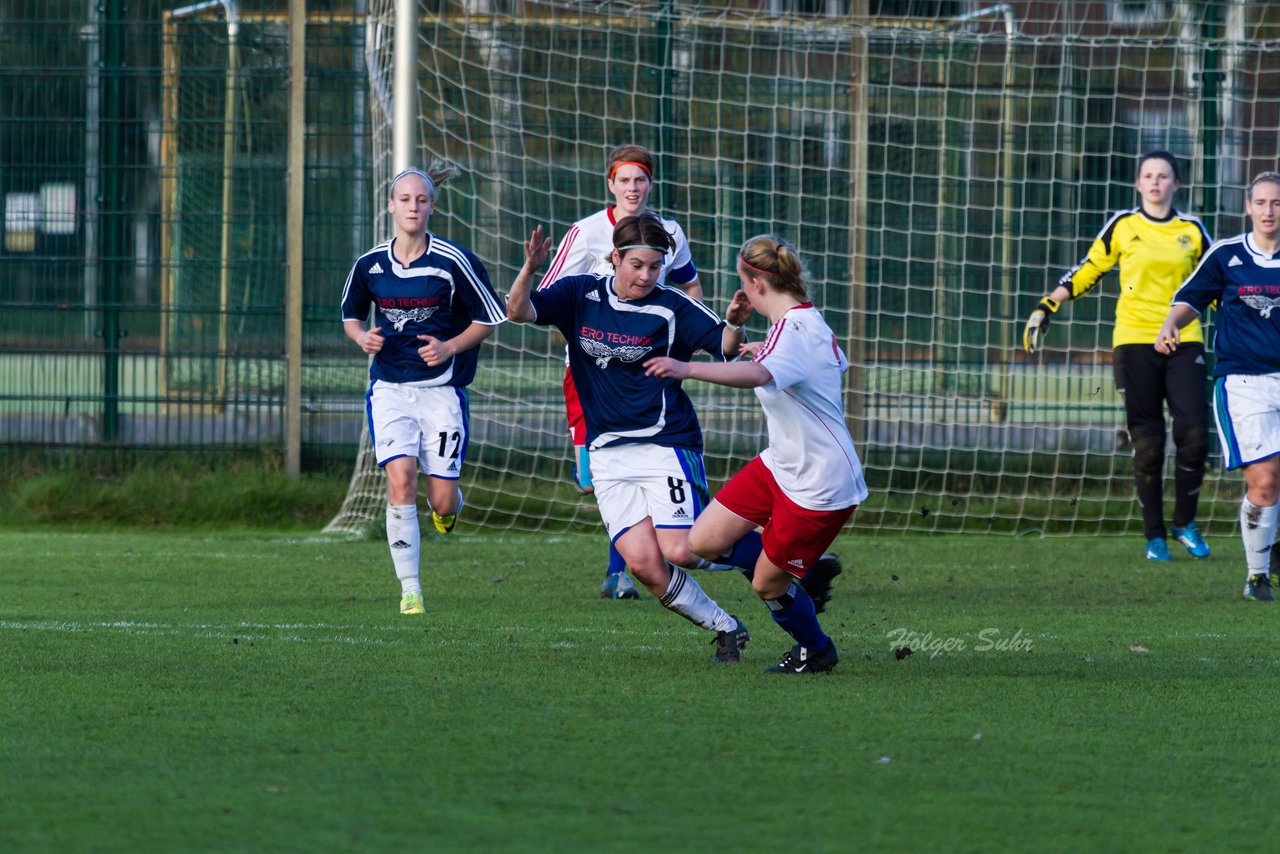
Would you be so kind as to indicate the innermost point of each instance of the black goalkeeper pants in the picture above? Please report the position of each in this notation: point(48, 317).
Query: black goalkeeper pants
point(1147, 380)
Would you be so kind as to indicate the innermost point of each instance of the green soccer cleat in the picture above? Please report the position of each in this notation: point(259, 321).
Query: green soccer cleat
point(411, 603)
point(444, 524)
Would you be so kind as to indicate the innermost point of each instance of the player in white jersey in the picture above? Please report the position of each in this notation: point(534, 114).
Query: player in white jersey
point(588, 248)
point(1242, 277)
point(433, 306)
point(806, 484)
point(644, 436)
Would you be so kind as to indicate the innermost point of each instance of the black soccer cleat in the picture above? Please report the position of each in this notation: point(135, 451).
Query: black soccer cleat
point(817, 583)
point(729, 644)
point(1258, 588)
point(801, 660)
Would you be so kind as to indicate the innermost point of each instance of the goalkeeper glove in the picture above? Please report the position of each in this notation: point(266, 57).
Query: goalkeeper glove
point(1038, 323)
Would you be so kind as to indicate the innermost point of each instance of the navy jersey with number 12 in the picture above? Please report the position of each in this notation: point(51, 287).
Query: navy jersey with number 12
point(609, 340)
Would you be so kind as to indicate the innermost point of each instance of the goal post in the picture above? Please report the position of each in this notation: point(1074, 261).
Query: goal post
point(937, 175)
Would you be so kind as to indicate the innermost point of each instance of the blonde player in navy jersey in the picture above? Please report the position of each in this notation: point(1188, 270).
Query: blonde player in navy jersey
point(806, 484)
point(643, 434)
point(588, 248)
point(1242, 276)
point(1156, 248)
point(433, 305)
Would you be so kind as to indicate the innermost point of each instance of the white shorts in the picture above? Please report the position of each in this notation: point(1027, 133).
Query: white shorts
point(429, 424)
point(634, 482)
point(1247, 409)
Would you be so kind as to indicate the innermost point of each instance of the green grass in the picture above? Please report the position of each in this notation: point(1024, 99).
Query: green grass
point(209, 691)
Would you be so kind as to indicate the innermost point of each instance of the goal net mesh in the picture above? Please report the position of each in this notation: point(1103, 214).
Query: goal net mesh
point(938, 176)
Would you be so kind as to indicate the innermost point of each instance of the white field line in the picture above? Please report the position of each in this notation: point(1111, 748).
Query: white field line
point(315, 632)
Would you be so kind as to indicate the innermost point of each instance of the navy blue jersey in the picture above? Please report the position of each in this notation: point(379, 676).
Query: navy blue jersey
point(1246, 285)
point(610, 339)
point(439, 294)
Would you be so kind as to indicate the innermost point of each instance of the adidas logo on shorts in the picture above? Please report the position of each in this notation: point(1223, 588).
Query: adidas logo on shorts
point(796, 562)
point(679, 514)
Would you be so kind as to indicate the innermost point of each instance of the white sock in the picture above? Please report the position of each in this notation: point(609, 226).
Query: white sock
point(1258, 530)
point(690, 601)
point(405, 541)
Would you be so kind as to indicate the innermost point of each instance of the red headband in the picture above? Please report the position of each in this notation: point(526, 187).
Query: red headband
point(622, 163)
point(748, 264)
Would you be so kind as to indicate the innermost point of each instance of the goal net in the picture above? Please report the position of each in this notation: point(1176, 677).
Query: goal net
point(938, 175)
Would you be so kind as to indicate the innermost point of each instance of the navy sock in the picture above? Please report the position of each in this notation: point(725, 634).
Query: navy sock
point(616, 563)
point(746, 552)
point(793, 611)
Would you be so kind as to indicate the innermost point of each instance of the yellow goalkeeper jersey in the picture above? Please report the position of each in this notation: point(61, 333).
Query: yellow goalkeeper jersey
point(1155, 256)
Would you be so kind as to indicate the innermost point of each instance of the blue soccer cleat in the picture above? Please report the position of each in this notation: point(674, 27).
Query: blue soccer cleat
point(1190, 537)
point(1157, 549)
point(618, 586)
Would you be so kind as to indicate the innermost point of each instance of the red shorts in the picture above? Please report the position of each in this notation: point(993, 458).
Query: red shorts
point(573, 410)
point(794, 537)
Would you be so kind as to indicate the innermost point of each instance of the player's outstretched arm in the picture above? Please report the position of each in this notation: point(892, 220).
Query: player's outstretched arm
point(733, 374)
point(536, 250)
point(1170, 334)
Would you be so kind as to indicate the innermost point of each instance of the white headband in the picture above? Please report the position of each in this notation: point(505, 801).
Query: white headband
point(431, 185)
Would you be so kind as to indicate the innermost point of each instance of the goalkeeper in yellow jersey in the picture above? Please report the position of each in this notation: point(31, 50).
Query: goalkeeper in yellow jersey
point(1156, 249)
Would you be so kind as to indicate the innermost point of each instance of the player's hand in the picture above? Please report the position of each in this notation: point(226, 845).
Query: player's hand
point(664, 366)
point(536, 249)
point(435, 352)
point(372, 341)
point(1038, 323)
point(739, 310)
point(1168, 338)
point(749, 349)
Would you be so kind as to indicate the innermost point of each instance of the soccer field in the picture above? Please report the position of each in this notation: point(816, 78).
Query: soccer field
point(175, 691)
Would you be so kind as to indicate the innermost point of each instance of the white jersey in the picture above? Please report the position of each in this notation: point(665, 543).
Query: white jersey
point(810, 451)
point(588, 245)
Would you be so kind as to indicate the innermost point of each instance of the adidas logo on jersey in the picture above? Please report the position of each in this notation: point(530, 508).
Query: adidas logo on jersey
point(679, 514)
point(1234, 262)
point(593, 296)
point(375, 269)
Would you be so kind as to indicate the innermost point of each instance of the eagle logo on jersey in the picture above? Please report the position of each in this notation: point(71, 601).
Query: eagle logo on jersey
point(399, 316)
point(602, 353)
point(1263, 304)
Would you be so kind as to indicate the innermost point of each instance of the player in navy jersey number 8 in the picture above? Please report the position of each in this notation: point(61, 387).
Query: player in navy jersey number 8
point(433, 305)
point(1242, 276)
point(588, 248)
point(643, 434)
point(806, 484)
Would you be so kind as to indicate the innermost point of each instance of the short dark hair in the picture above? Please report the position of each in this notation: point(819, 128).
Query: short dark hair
point(1161, 154)
point(645, 229)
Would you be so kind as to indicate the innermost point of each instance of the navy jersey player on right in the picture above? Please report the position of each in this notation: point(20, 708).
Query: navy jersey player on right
point(644, 438)
point(1242, 276)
